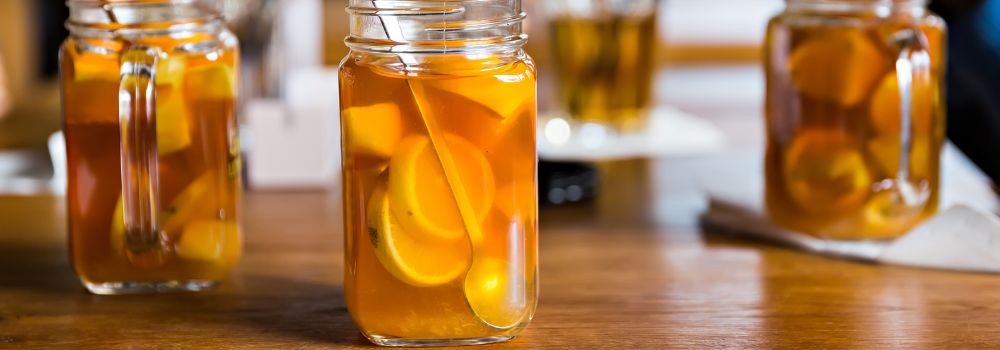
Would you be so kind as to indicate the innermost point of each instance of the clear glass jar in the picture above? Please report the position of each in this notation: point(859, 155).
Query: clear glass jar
point(438, 107)
point(153, 158)
point(855, 117)
point(604, 58)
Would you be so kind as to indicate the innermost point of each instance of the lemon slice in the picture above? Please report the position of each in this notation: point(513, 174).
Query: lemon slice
point(172, 129)
point(503, 94)
point(495, 291)
point(374, 129)
point(416, 258)
point(184, 208)
point(421, 197)
point(823, 172)
point(885, 106)
point(887, 214)
point(209, 82)
point(839, 66)
point(204, 240)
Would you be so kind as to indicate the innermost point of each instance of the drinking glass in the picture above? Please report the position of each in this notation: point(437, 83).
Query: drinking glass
point(603, 58)
point(438, 120)
point(152, 150)
point(855, 118)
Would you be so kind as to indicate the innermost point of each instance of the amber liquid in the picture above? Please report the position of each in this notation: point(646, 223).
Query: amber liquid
point(605, 68)
point(833, 127)
point(199, 180)
point(422, 261)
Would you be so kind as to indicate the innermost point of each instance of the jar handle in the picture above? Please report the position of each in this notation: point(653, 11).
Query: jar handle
point(144, 240)
point(912, 64)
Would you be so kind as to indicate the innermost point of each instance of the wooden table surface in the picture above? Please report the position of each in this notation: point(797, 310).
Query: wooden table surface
point(630, 270)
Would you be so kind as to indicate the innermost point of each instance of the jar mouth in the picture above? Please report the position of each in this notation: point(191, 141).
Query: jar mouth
point(854, 5)
point(414, 26)
point(104, 18)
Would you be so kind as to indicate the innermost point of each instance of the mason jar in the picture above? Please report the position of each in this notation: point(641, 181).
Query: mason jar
point(438, 108)
point(855, 117)
point(148, 91)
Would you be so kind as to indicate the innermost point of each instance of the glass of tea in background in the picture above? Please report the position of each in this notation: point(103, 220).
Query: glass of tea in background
point(855, 117)
point(603, 57)
point(151, 140)
point(438, 107)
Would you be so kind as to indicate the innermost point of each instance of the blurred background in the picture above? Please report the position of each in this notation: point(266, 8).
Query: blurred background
point(706, 74)
point(706, 51)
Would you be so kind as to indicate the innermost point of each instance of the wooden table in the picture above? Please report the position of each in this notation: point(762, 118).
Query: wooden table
point(630, 270)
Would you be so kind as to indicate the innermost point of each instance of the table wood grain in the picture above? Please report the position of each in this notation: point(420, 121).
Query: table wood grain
point(631, 270)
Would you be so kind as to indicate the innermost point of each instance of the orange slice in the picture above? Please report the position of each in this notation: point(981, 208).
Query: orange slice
point(885, 106)
point(823, 172)
point(422, 199)
point(839, 66)
point(374, 129)
point(205, 240)
point(416, 258)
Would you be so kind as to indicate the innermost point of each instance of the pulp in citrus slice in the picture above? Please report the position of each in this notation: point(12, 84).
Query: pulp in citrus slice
point(374, 129)
point(422, 197)
point(415, 258)
point(824, 171)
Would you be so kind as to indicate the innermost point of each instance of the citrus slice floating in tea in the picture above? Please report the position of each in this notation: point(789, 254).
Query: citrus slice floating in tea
point(210, 81)
point(422, 198)
point(416, 258)
point(885, 106)
point(885, 150)
point(887, 214)
point(172, 121)
point(375, 129)
point(205, 240)
point(840, 66)
point(824, 171)
point(191, 203)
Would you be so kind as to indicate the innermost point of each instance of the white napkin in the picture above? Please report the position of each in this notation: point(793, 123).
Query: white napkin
point(965, 236)
point(670, 132)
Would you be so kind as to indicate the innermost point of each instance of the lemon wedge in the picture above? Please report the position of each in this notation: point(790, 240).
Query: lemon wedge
point(209, 82)
point(824, 172)
point(190, 202)
point(421, 197)
point(172, 129)
point(838, 66)
point(205, 240)
point(374, 129)
point(416, 258)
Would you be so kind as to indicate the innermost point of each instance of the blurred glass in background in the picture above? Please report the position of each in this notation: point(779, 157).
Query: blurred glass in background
point(604, 51)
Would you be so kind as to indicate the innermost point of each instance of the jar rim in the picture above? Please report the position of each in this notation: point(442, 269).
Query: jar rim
point(421, 26)
point(140, 17)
